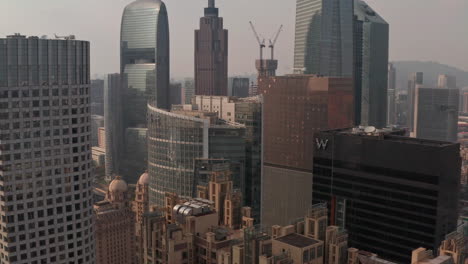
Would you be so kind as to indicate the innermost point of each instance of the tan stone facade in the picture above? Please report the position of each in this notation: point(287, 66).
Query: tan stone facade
point(140, 206)
point(115, 226)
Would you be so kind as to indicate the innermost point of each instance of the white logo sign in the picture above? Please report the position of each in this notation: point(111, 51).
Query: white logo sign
point(321, 143)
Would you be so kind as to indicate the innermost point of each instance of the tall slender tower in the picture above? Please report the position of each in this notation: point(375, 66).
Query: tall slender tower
point(211, 54)
point(415, 79)
point(391, 86)
point(144, 56)
point(371, 67)
point(113, 123)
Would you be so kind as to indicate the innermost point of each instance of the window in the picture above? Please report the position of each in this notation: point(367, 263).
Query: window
point(319, 251)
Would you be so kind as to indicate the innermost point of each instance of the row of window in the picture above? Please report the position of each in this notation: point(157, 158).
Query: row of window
point(21, 217)
point(10, 116)
point(27, 92)
point(39, 164)
point(49, 201)
point(43, 103)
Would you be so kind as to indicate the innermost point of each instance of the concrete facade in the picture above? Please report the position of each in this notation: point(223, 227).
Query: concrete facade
point(45, 149)
point(115, 226)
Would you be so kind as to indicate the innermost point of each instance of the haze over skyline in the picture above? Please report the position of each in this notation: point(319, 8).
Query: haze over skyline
point(427, 30)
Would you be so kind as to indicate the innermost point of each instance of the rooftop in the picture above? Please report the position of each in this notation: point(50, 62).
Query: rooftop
point(390, 134)
point(364, 12)
point(438, 260)
point(43, 37)
point(297, 240)
point(144, 4)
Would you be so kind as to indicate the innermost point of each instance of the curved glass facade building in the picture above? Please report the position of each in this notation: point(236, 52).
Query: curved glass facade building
point(144, 70)
point(144, 41)
point(177, 139)
point(174, 142)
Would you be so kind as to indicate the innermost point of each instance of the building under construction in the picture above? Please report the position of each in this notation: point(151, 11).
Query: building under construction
point(266, 67)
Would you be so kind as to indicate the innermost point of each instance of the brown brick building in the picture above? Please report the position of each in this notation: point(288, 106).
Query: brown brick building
point(211, 54)
point(294, 108)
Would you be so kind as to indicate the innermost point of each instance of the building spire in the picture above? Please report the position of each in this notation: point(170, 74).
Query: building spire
point(211, 10)
point(211, 3)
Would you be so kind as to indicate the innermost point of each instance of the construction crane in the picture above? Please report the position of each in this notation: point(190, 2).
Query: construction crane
point(260, 41)
point(272, 43)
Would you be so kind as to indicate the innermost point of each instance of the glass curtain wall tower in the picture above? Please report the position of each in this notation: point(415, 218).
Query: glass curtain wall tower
point(371, 66)
point(145, 69)
point(324, 38)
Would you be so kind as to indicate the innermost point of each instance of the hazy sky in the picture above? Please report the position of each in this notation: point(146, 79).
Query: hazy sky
point(435, 30)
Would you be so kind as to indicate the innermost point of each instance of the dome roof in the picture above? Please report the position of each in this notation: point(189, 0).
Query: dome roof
point(118, 185)
point(144, 179)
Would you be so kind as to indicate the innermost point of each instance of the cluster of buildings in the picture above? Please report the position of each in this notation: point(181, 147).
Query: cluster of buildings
point(216, 228)
point(330, 164)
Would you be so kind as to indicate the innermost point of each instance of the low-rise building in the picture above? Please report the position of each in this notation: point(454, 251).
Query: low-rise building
point(301, 249)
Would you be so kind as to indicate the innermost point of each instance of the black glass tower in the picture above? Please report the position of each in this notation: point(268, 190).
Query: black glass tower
point(392, 193)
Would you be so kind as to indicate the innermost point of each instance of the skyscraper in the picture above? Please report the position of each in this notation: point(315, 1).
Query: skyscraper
point(372, 73)
point(45, 147)
point(113, 90)
point(97, 97)
point(392, 193)
point(211, 54)
point(436, 113)
point(447, 82)
point(294, 108)
point(324, 37)
point(415, 79)
point(402, 108)
point(145, 66)
point(240, 87)
point(391, 114)
point(189, 91)
point(144, 44)
point(176, 93)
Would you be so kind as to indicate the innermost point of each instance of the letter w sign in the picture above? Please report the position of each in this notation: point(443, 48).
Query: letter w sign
point(321, 143)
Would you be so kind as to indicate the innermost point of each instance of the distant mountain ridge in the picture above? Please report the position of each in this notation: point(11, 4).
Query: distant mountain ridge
point(431, 72)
